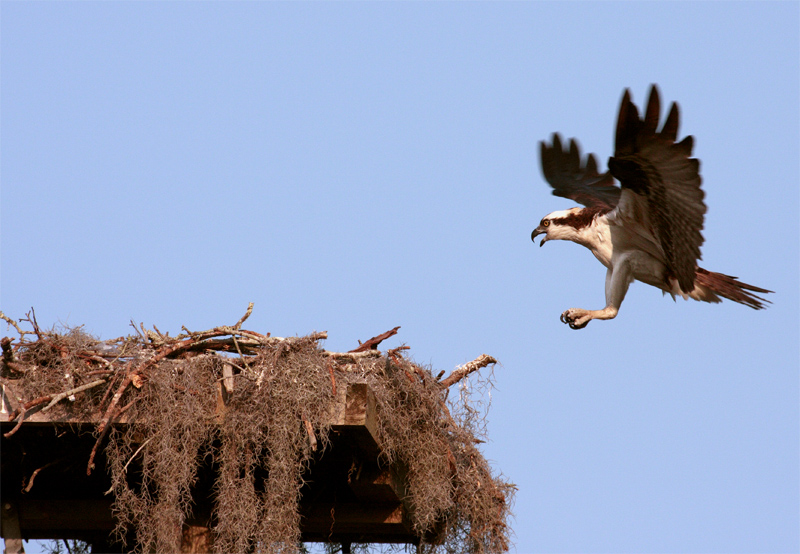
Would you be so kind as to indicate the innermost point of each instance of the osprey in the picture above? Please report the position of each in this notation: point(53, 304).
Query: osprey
point(648, 229)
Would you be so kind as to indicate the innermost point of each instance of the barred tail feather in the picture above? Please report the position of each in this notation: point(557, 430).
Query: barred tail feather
point(709, 286)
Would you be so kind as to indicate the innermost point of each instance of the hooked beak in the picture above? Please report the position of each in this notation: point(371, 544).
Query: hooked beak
point(539, 231)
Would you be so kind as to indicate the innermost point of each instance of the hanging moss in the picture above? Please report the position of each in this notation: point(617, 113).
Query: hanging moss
point(261, 441)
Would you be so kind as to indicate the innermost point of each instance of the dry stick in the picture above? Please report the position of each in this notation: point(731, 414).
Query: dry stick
point(113, 382)
point(125, 408)
point(372, 344)
point(57, 398)
point(104, 372)
point(460, 372)
point(90, 465)
point(312, 440)
point(36, 472)
point(14, 324)
point(94, 358)
point(239, 350)
point(245, 316)
point(352, 356)
point(29, 405)
point(124, 469)
point(138, 332)
point(31, 318)
point(42, 399)
point(19, 423)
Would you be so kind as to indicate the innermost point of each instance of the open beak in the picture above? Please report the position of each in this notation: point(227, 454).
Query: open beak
point(539, 231)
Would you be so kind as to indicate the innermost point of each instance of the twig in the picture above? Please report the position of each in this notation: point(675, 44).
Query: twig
point(32, 320)
point(125, 408)
point(52, 399)
point(104, 372)
point(351, 356)
point(102, 434)
point(372, 344)
point(245, 316)
point(239, 350)
point(460, 372)
point(14, 325)
point(113, 381)
point(161, 335)
point(138, 332)
point(311, 438)
point(93, 357)
point(59, 397)
point(125, 468)
point(36, 472)
point(29, 406)
point(19, 423)
point(393, 354)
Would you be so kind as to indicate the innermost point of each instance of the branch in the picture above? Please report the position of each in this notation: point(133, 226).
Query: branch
point(460, 372)
point(59, 397)
point(14, 324)
point(372, 344)
point(36, 472)
point(245, 316)
point(351, 357)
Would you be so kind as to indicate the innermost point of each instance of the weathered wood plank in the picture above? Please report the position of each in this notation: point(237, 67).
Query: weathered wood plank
point(355, 415)
point(9, 522)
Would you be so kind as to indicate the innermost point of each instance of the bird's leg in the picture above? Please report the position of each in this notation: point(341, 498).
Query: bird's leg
point(618, 277)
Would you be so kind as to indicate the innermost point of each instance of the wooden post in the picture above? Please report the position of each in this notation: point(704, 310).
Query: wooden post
point(11, 531)
point(195, 539)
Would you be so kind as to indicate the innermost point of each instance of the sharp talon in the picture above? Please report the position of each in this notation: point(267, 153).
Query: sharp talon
point(566, 318)
point(577, 326)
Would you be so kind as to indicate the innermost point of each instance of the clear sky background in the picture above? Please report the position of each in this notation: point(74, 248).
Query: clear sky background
point(351, 167)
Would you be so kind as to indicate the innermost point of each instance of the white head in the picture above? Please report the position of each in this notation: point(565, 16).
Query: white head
point(564, 224)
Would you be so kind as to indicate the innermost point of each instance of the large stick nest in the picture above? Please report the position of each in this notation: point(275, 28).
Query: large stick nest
point(277, 419)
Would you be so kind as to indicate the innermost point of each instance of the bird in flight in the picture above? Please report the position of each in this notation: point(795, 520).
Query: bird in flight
point(646, 229)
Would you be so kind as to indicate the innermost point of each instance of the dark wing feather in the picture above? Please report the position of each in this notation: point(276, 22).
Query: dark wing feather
point(570, 178)
point(651, 164)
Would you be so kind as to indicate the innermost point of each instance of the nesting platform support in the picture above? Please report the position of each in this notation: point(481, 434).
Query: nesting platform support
point(350, 495)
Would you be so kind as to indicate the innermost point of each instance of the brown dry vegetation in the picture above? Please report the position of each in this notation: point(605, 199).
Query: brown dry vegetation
point(275, 421)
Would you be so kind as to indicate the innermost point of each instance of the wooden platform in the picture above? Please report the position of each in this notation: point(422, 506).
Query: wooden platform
point(349, 495)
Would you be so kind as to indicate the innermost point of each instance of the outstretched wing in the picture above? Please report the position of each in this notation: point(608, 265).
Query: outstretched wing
point(570, 178)
point(663, 174)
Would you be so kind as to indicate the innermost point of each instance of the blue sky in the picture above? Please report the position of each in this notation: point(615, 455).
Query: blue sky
point(351, 167)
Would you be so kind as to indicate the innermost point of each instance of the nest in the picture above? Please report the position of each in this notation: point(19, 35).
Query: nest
point(275, 422)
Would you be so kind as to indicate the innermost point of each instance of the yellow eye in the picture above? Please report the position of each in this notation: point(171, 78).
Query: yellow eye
point(546, 223)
